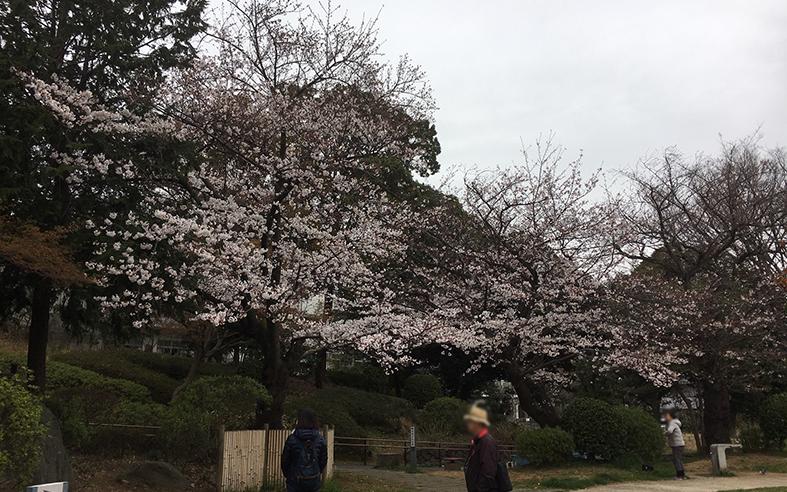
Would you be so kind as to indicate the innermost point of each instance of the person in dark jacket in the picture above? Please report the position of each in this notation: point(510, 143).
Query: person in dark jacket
point(305, 455)
point(481, 467)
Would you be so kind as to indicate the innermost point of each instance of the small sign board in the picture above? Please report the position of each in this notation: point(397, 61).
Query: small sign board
point(412, 437)
point(49, 487)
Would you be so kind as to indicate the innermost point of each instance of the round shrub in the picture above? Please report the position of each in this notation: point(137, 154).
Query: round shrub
point(443, 416)
point(594, 426)
point(752, 437)
point(641, 438)
point(773, 419)
point(548, 446)
point(20, 431)
point(228, 400)
point(421, 389)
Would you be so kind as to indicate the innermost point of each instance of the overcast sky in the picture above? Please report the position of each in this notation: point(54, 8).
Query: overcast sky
point(617, 79)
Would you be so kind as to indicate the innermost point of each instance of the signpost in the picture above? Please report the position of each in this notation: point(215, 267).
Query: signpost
point(412, 461)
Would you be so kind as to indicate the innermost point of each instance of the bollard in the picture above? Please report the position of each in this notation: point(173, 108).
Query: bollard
point(718, 457)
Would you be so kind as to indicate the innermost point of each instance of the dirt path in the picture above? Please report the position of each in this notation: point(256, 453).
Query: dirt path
point(439, 483)
point(700, 484)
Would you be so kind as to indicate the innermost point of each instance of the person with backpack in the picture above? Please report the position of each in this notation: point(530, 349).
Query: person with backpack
point(305, 455)
point(484, 472)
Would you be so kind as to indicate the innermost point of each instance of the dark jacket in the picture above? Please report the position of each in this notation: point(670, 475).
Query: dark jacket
point(481, 466)
point(289, 456)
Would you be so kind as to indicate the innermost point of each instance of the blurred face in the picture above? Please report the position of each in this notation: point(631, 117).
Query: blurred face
point(473, 428)
point(666, 417)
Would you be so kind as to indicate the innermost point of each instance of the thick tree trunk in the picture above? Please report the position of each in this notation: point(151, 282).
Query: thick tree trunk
point(717, 415)
point(38, 338)
point(530, 400)
point(321, 368)
point(196, 363)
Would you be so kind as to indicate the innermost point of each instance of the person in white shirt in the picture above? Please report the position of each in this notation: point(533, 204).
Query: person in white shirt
point(675, 441)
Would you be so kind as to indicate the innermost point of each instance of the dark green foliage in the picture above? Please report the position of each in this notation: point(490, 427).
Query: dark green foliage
point(362, 376)
point(421, 389)
point(20, 431)
point(68, 379)
point(594, 426)
point(443, 417)
point(752, 437)
point(114, 364)
point(773, 419)
point(547, 446)
point(367, 412)
point(173, 366)
point(642, 437)
point(228, 400)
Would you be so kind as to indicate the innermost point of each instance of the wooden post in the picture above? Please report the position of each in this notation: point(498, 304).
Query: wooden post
point(365, 450)
point(220, 470)
point(412, 462)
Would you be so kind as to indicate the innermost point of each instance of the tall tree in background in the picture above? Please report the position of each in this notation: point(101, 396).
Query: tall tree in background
point(119, 51)
point(710, 240)
point(512, 279)
point(292, 113)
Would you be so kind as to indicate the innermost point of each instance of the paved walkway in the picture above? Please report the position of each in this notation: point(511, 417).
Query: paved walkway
point(700, 484)
point(435, 483)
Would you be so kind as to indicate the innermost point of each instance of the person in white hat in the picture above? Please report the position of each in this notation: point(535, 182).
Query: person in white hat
point(483, 465)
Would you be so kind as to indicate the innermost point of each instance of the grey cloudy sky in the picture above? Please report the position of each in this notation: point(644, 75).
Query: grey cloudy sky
point(618, 79)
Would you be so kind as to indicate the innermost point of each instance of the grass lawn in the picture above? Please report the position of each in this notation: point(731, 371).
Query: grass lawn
point(348, 482)
point(586, 475)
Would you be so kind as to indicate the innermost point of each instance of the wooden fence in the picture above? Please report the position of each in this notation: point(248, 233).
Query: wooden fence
point(251, 459)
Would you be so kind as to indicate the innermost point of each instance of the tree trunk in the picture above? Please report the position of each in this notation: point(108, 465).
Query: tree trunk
point(530, 401)
point(38, 337)
point(716, 414)
point(196, 363)
point(321, 369)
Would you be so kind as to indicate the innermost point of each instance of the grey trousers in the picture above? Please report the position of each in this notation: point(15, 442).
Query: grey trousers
point(677, 460)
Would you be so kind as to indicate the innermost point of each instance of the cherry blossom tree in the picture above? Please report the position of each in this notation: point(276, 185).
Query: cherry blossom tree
point(513, 278)
point(270, 225)
point(705, 302)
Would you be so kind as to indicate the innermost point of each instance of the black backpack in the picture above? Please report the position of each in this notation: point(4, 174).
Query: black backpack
point(307, 466)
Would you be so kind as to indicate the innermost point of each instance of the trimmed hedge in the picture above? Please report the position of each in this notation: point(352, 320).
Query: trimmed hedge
point(20, 431)
point(365, 377)
point(227, 400)
point(354, 412)
point(173, 366)
point(642, 437)
point(613, 432)
point(548, 446)
point(443, 417)
point(421, 389)
point(594, 426)
point(773, 420)
point(113, 363)
point(61, 376)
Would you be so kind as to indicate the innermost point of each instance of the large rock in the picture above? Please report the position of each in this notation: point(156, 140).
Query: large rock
point(55, 464)
point(156, 475)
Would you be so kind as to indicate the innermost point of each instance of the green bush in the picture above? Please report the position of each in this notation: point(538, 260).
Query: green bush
point(20, 431)
point(62, 376)
point(362, 376)
point(228, 400)
point(642, 438)
point(421, 389)
point(773, 419)
point(355, 412)
point(112, 363)
point(174, 366)
point(548, 446)
point(70, 412)
point(594, 426)
point(443, 417)
point(751, 437)
point(188, 434)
